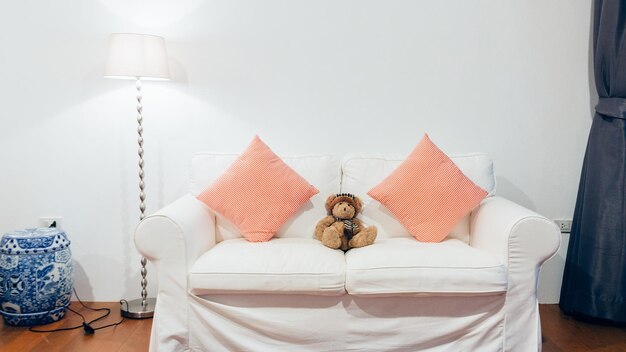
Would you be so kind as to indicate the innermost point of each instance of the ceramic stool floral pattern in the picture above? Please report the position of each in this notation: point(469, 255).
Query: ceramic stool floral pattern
point(36, 276)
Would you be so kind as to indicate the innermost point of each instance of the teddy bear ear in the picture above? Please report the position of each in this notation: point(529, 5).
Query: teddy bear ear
point(358, 204)
point(329, 201)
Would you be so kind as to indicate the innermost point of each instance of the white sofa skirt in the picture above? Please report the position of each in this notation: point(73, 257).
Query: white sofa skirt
point(344, 323)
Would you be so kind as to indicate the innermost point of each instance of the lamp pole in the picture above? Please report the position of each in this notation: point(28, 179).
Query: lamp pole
point(143, 307)
point(138, 56)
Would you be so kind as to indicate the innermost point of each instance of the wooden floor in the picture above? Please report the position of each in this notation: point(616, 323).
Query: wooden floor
point(131, 335)
point(560, 334)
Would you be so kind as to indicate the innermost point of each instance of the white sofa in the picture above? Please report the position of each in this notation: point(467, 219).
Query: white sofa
point(475, 291)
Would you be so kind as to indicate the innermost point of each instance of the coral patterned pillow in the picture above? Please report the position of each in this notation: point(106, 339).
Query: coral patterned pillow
point(258, 193)
point(428, 193)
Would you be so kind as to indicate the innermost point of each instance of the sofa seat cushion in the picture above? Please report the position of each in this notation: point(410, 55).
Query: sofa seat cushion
point(405, 266)
point(281, 265)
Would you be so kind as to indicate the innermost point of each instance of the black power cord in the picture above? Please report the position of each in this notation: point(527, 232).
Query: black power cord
point(86, 325)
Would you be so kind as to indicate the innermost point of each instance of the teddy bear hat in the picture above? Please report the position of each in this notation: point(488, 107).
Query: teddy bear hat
point(342, 197)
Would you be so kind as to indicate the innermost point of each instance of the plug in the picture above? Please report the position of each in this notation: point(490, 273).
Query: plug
point(88, 329)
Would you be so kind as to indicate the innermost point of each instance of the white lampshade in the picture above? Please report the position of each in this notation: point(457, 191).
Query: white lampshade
point(136, 56)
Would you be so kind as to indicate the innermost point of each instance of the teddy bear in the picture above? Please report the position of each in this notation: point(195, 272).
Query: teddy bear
point(340, 228)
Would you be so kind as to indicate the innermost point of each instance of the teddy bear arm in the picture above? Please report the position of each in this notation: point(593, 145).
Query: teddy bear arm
point(322, 225)
point(331, 238)
point(338, 225)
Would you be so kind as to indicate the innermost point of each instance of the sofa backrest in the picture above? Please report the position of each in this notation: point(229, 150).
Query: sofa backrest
point(322, 171)
point(362, 172)
point(357, 174)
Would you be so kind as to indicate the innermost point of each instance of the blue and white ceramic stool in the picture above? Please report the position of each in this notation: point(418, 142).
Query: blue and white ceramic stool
point(36, 276)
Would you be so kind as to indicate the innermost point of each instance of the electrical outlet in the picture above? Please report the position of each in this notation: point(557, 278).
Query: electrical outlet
point(47, 221)
point(565, 225)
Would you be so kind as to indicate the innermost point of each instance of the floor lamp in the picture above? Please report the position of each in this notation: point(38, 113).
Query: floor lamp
point(138, 56)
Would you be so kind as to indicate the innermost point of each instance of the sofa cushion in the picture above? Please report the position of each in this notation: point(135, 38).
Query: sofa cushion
point(281, 265)
point(322, 171)
point(405, 266)
point(361, 172)
point(428, 193)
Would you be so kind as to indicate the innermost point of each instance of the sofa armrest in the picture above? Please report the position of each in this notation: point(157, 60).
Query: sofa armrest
point(512, 232)
point(181, 230)
point(172, 239)
point(523, 240)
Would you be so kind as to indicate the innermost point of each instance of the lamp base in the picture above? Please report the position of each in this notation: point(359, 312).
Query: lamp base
point(134, 310)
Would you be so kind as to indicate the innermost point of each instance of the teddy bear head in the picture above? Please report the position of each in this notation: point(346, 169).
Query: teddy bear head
point(343, 205)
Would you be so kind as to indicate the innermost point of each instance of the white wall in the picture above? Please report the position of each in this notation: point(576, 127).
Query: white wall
point(510, 78)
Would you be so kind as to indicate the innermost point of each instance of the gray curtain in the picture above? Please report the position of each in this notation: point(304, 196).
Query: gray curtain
point(594, 282)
